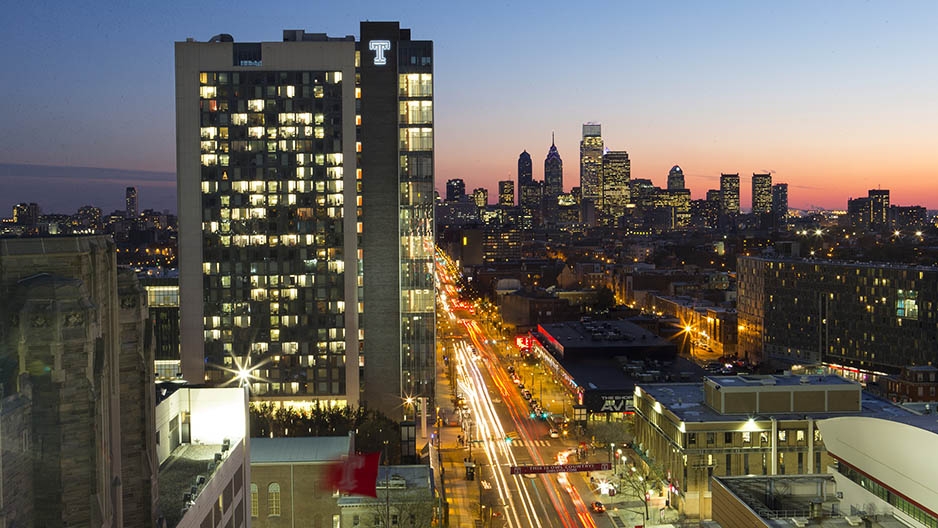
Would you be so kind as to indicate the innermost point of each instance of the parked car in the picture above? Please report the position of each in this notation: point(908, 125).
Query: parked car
point(554, 433)
point(598, 507)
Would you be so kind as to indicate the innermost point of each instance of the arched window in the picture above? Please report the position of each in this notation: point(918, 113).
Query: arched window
point(253, 500)
point(273, 500)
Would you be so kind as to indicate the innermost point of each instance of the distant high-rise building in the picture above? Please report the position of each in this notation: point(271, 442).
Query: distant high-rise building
point(675, 179)
point(780, 205)
point(480, 197)
point(879, 208)
point(729, 191)
point(871, 212)
point(591, 153)
point(455, 190)
point(312, 258)
point(506, 193)
point(525, 168)
point(26, 214)
point(615, 193)
point(761, 193)
point(553, 175)
point(130, 202)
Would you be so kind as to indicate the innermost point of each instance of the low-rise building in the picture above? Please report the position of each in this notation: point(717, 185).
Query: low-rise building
point(202, 446)
point(741, 425)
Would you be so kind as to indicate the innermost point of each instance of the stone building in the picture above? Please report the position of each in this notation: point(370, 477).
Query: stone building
point(76, 417)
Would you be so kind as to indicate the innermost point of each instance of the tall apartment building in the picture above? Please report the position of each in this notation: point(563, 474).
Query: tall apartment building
point(77, 409)
point(506, 193)
point(761, 193)
point(294, 160)
point(865, 319)
point(780, 205)
point(455, 190)
point(729, 191)
point(591, 154)
point(615, 191)
point(132, 209)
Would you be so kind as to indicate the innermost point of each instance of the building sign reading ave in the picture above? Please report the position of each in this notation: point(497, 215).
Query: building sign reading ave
point(560, 468)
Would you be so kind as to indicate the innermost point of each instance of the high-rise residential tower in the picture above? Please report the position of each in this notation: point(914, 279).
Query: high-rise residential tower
point(294, 160)
point(506, 193)
point(675, 179)
point(780, 205)
point(130, 202)
point(879, 208)
point(761, 193)
point(455, 190)
point(591, 157)
point(553, 175)
point(729, 190)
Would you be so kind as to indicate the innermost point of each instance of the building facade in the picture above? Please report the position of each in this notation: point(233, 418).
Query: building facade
point(591, 157)
point(506, 193)
point(761, 193)
point(76, 415)
point(866, 319)
point(780, 205)
point(729, 193)
point(615, 186)
point(675, 179)
point(740, 425)
point(553, 176)
point(455, 190)
point(288, 178)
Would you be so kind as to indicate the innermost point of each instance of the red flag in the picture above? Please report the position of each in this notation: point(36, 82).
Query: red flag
point(355, 474)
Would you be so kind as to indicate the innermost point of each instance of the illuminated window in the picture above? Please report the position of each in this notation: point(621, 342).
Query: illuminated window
point(907, 304)
point(273, 500)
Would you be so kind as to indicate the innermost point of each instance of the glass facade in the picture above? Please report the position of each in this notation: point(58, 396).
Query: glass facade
point(418, 315)
point(273, 260)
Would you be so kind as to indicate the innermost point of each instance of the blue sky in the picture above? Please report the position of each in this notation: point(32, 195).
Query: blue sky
point(836, 97)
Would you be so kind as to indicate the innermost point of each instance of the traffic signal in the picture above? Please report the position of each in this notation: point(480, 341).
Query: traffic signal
point(532, 415)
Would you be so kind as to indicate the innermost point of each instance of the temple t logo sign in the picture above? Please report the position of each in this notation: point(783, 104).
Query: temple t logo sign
point(379, 47)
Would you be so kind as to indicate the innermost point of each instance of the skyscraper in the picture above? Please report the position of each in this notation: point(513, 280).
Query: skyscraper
point(287, 269)
point(455, 190)
point(553, 176)
point(130, 201)
point(780, 205)
point(879, 208)
point(761, 193)
point(616, 179)
point(729, 191)
point(525, 174)
point(675, 179)
point(480, 196)
point(506, 193)
point(591, 154)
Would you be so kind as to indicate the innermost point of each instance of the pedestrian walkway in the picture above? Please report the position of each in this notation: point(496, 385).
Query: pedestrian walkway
point(530, 443)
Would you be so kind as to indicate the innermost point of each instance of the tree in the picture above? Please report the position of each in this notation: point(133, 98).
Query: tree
point(402, 506)
point(605, 300)
point(641, 479)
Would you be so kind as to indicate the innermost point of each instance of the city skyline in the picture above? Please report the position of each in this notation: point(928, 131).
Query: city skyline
point(821, 96)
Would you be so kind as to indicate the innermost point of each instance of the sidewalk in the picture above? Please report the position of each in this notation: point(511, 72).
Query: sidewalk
point(460, 494)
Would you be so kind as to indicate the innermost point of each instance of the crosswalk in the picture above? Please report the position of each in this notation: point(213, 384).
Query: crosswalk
point(530, 443)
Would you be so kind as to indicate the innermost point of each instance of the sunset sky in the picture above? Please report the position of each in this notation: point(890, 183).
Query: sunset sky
point(834, 97)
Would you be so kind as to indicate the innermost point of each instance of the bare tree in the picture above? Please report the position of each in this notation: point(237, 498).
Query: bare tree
point(404, 507)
